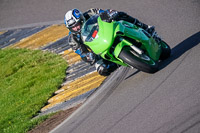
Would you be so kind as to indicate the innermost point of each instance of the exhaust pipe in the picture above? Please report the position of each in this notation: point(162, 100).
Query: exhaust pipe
point(136, 49)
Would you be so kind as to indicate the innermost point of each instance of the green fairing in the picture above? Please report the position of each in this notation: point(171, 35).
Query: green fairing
point(107, 33)
point(105, 37)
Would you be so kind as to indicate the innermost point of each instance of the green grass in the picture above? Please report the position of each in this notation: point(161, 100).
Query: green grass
point(28, 79)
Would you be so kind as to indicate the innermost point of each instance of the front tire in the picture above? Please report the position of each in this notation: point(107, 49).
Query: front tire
point(141, 62)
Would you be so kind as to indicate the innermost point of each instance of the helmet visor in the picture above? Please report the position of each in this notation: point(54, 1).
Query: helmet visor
point(75, 27)
point(71, 23)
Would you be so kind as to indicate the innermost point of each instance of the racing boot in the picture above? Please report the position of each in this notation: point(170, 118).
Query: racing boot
point(105, 68)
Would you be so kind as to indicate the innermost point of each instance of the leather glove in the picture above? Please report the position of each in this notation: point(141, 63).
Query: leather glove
point(112, 13)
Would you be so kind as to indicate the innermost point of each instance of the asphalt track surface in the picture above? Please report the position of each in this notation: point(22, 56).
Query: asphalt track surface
point(132, 101)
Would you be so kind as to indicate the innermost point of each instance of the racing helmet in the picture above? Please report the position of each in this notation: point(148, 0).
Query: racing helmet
point(72, 18)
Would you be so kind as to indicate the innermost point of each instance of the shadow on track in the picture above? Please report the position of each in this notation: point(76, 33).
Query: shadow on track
point(137, 71)
point(181, 48)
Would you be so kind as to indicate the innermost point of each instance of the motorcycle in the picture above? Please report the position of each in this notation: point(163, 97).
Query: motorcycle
point(124, 43)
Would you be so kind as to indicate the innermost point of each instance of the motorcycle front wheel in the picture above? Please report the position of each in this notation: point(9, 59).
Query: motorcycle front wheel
point(141, 62)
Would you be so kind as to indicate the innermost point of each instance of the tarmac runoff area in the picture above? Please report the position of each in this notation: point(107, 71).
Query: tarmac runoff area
point(81, 78)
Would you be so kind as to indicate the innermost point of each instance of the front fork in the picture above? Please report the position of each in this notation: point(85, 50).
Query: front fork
point(124, 43)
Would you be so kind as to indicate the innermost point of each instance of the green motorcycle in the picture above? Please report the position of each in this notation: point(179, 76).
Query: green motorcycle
point(124, 43)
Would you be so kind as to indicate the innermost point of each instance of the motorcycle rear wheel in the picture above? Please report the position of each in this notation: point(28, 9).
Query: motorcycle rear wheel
point(141, 62)
point(166, 50)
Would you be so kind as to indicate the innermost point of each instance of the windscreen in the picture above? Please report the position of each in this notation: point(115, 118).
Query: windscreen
point(90, 29)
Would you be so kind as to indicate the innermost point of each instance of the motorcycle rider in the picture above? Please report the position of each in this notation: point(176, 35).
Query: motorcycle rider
point(74, 19)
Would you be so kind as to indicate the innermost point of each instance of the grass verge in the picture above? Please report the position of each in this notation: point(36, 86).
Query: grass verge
point(27, 79)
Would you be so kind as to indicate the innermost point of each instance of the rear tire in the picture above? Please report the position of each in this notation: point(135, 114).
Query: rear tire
point(166, 50)
point(141, 62)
